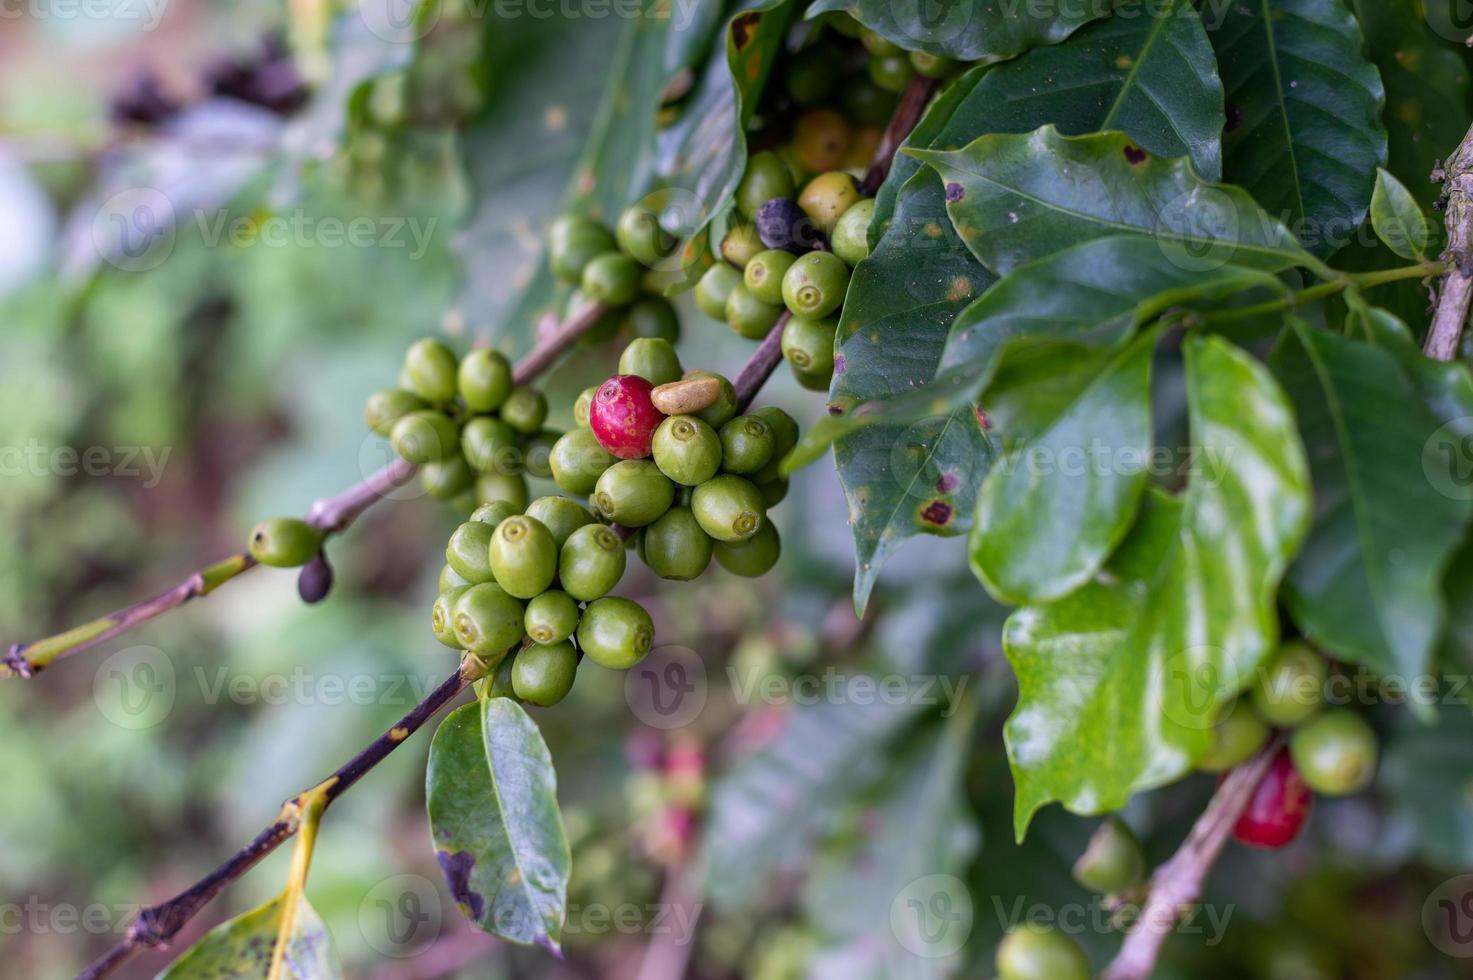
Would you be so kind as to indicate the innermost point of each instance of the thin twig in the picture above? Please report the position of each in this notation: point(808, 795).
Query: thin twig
point(1177, 884)
point(912, 104)
point(157, 925)
point(332, 514)
point(1456, 292)
point(759, 367)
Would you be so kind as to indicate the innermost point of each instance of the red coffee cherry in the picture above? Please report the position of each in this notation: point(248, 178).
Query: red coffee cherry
point(1278, 808)
point(622, 416)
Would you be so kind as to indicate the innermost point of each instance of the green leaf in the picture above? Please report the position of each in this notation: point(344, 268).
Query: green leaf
point(1306, 136)
point(1367, 584)
point(1015, 198)
point(767, 812)
point(1120, 682)
point(967, 30)
point(917, 826)
point(1076, 422)
point(492, 799)
point(1425, 776)
point(242, 948)
point(1398, 219)
point(1152, 77)
point(919, 477)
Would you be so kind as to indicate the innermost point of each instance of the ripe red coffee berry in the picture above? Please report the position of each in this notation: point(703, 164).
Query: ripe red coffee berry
point(1278, 808)
point(623, 417)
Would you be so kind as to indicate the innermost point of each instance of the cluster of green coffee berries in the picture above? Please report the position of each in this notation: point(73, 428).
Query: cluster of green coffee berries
point(527, 592)
point(616, 270)
point(475, 434)
point(664, 455)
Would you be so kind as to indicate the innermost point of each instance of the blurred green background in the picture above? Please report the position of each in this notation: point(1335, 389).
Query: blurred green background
point(224, 382)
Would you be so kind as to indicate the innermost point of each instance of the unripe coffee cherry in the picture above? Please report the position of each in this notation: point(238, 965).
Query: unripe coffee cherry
point(747, 444)
point(612, 279)
point(525, 410)
point(674, 547)
point(543, 674)
point(728, 508)
point(767, 177)
point(386, 407)
point(487, 621)
point(714, 288)
point(653, 317)
point(1235, 739)
point(1113, 861)
point(285, 542)
point(815, 285)
point(748, 316)
point(616, 632)
point(623, 418)
point(582, 405)
point(577, 461)
point(753, 557)
point(425, 437)
point(1290, 688)
point(827, 197)
point(446, 479)
point(523, 556)
point(484, 380)
point(591, 563)
point(687, 450)
point(639, 234)
point(560, 515)
point(551, 617)
point(451, 579)
point(468, 552)
point(442, 616)
point(1038, 952)
point(431, 369)
point(821, 139)
point(851, 235)
point(764, 275)
point(1278, 808)
point(723, 409)
point(633, 492)
point(493, 513)
point(510, 488)
point(740, 244)
point(652, 359)
point(1335, 753)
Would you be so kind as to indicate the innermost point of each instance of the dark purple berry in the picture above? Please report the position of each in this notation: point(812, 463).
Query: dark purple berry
point(315, 581)
point(782, 224)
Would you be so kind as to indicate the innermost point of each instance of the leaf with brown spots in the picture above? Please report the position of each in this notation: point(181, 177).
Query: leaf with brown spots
point(968, 30)
point(494, 821)
point(242, 948)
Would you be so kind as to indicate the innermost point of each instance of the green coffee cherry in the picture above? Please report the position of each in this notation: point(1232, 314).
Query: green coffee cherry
point(850, 240)
point(932, 65)
point(468, 552)
point(687, 450)
point(525, 410)
point(560, 515)
point(675, 547)
point(866, 103)
point(537, 453)
point(543, 675)
point(494, 513)
point(1113, 861)
point(1290, 688)
point(448, 479)
point(653, 317)
point(891, 72)
point(431, 368)
point(729, 508)
point(633, 492)
point(767, 177)
point(639, 234)
point(748, 316)
point(1038, 952)
point(285, 542)
point(1236, 738)
point(487, 621)
point(612, 279)
point(808, 345)
point(1335, 753)
point(876, 43)
point(747, 444)
point(510, 488)
point(814, 287)
point(442, 616)
point(484, 380)
point(425, 437)
point(812, 74)
point(764, 275)
point(616, 632)
point(583, 404)
point(551, 617)
point(498, 683)
point(386, 407)
point(753, 557)
point(651, 359)
point(826, 198)
point(491, 446)
point(784, 435)
point(573, 242)
point(724, 408)
point(740, 244)
point(451, 579)
point(714, 288)
point(577, 461)
point(591, 562)
point(523, 556)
